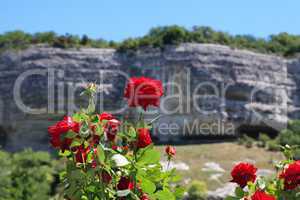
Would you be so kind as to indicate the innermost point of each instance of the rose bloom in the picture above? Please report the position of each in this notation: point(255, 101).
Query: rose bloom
point(170, 151)
point(111, 126)
point(81, 154)
point(105, 116)
point(243, 173)
point(144, 138)
point(142, 91)
point(260, 195)
point(125, 184)
point(106, 177)
point(291, 176)
point(60, 128)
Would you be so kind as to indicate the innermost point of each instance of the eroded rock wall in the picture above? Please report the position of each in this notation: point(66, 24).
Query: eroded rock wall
point(236, 89)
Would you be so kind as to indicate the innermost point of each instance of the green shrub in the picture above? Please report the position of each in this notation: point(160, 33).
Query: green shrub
point(5, 175)
point(296, 154)
point(197, 191)
point(263, 140)
point(15, 40)
point(290, 135)
point(283, 44)
point(248, 141)
point(44, 37)
point(273, 145)
point(26, 175)
point(240, 141)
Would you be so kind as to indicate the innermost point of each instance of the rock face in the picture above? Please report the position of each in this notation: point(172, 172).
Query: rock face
point(210, 90)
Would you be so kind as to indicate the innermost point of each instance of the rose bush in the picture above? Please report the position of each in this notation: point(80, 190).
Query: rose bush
point(282, 186)
point(108, 159)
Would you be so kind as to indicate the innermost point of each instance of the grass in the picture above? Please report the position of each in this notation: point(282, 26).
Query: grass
point(225, 154)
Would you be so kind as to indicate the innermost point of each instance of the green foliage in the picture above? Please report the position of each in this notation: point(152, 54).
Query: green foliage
point(283, 44)
point(197, 191)
point(290, 135)
point(273, 145)
point(5, 175)
point(26, 175)
point(247, 141)
point(44, 37)
point(263, 139)
point(15, 40)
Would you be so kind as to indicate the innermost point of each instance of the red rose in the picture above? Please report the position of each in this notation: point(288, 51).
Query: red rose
point(111, 126)
point(243, 173)
point(144, 138)
point(260, 195)
point(60, 128)
point(125, 184)
point(141, 91)
point(95, 140)
point(111, 129)
point(105, 116)
point(170, 151)
point(114, 147)
point(291, 176)
point(81, 154)
point(106, 177)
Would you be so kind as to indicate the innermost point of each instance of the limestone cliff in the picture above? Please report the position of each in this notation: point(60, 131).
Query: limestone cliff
point(224, 91)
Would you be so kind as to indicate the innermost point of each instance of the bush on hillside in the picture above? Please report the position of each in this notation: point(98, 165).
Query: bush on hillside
point(273, 145)
point(247, 141)
point(26, 175)
point(283, 44)
point(263, 139)
point(197, 191)
point(290, 135)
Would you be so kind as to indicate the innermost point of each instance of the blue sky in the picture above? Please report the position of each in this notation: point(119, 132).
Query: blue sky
point(120, 19)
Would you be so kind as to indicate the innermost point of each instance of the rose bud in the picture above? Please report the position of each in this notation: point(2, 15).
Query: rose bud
point(170, 151)
point(125, 184)
point(144, 138)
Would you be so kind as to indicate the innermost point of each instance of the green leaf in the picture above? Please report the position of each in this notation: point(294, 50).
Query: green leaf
point(150, 156)
point(164, 195)
point(99, 130)
point(251, 187)
point(84, 130)
point(91, 107)
point(66, 153)
point(239, 192)
point(75, 143)
point(77, 195)
point(100, 154)
point(176, 178)
point(148, 186)
point(62, 175)
point(91, 188)
point(179, 192)
point(79, 117)
point(70, 134)
point(131, 132)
